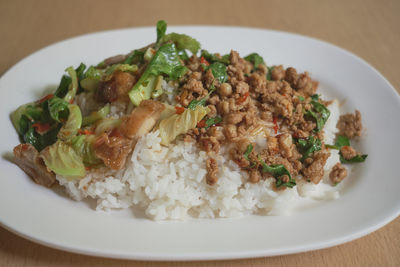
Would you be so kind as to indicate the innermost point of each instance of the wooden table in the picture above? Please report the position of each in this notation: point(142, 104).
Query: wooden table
point(370, 29)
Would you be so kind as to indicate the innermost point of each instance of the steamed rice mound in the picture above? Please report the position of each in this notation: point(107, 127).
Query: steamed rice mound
point(168, 183)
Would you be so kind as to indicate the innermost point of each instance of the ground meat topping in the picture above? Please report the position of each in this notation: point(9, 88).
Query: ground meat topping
point(350, 125)
point(338, 173)
point(315, 169)
point(348, 152)
point(212, 171)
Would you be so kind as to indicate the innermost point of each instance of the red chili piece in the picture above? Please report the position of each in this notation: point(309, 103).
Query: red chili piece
point(179, 110)
point(41, 128)
point(47, 97)
point(276, 127)
point(243, 98)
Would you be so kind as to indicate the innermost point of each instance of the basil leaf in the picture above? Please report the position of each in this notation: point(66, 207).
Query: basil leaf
point(301, 98)
point(136, 56)
point(342, 141)
point(201, 102)
point(255, 58)
point(41, 141)
point(269, 74)
point(165, 61)
point(355, 159)
point(183, 55)
point(161, 29)
point(219, 71)
point(182, 41)
point(80, 71)
point(319, 113)
point(248, 151)
point(214, 58)
point(58, 108)
point(278, 171)
point(308, 146)
point(212, 121)
point(315, 97)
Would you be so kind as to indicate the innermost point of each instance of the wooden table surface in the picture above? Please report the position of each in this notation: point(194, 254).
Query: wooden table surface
point(370, 29)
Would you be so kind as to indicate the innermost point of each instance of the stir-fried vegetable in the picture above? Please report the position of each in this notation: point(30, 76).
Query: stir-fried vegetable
point(219, 71)
point(319, 113)
point(96, 115)
point(63, 160)
point(73, 87)
point(72, 125)
point(278, 171)
point(342, 141)
point(256, 59)
point(308, 146)
point(82, 144)
point(165, 61)
point(58, 108)
point(211, 58)
point(178, 124)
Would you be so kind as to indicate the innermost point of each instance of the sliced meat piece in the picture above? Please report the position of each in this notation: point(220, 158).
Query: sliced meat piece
point(29, 160)
point(114, 60)
point(350, 125)
point(113, 149)
point(116, 88)
point(142, 119)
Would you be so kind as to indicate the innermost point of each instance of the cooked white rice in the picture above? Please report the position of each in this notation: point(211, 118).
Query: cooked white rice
point(169, 183)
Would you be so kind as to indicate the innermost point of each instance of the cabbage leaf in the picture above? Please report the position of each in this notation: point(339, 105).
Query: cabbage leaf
point(178, 124)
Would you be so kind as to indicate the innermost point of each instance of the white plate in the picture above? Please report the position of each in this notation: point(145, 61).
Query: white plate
point(369, 200)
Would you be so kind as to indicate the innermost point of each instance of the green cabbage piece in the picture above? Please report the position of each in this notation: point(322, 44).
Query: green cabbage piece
point(16, 117)
point(121, 67)
point(97, 115)
point(63, 160)
point(165, 61)
point(83, 146)
point(58, 108)
point(161, 29)
point(73, 86)
point(178, 124)
point(107, 124)
point(73, 124)
point(91, 79)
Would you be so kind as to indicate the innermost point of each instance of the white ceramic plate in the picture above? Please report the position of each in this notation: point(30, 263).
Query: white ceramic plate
point(369, 197)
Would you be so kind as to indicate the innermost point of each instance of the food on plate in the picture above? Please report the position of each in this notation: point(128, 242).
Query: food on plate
point(181, 132)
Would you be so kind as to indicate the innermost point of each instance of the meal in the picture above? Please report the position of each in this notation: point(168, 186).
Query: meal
point(181, 132)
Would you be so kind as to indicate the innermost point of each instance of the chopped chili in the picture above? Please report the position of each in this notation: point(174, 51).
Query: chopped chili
point(201, 124)
point(179, 110)
point(276, 127)
point(204, 61)
point(41, 128)
point(47, 97)
point(243, 98)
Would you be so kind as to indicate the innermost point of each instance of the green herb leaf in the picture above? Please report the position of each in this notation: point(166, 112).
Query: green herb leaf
point(58, 108)
point(62, 88)
point(182, 41)
point(308, 146)
point(255, 58)
point(211, 58)
point(278, 171)
point(301, 98)
point(161, 29)
point(319, 113)
point(165, 61)
point(342, 141)
point(135, 57)
point(355, 159)
point(212, 121)
point(219, 71)
point(269, 74)
point(315, 97)
point(201, 102)
point(248, 151)
point(183, 55)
